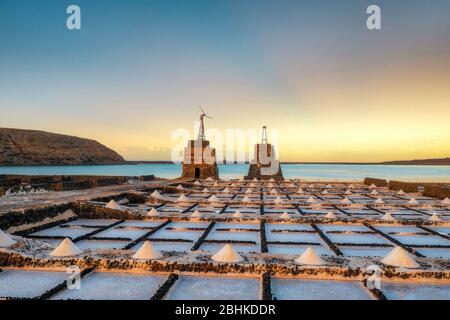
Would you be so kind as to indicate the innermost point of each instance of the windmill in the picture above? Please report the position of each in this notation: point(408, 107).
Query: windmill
point(201, 131)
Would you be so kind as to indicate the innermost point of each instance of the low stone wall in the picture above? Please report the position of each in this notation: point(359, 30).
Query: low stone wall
point(63, 183)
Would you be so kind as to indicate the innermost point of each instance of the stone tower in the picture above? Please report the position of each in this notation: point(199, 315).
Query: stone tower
point(264, 166)
point(199, 160)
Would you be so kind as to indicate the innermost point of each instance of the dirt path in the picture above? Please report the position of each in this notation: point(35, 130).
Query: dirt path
point(17, 203)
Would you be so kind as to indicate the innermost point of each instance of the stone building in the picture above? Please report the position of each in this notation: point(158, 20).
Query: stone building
point(264, 166)
point(199, 161)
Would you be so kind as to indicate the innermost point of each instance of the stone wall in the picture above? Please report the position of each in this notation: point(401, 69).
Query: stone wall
point(63, 183)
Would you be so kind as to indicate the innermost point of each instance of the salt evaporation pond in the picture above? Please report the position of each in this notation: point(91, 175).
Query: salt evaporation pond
point(303, 289)
point(416, 291)
point(214, 288)
point(28, 284)
point(114, 286)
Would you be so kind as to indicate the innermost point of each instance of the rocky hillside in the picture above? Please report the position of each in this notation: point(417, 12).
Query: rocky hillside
point(29, 147)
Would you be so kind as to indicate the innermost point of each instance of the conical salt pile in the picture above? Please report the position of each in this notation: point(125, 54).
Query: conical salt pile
point(325, 192)
point(248, 190)
point(400, 192)
point(246, 199)
point(114, 205)
point(278, 200)
point(123, 201)
point(147, 252)
point(213, 198)
point(272, 180)
point(196, 214)
point(273, 191)
point(311, 185)
point(233, 185)
point(206, 190)
point(5, 240)
point(285, 215)
point(156, 194)
point(254, 179)
point(300, 191)
point(182, 198)
point(379, 201)
point(330, 215)
point(210, 179)
point(445, 201)
point(153, 213)
point(227, 254)
point(398, 257)
point(180, 186)
point(347, 192)
point(66, 249)
point(311, 200)
point(346, 201)
point(372, 186)
point(292, 185)
point(388, 217)
point(197, 182)
point(435, 218)
point(374, 192)
point(310, 257)
point(237, 214)
point(226, 190)
point(413, 201)
point(215, 184)
point(328, 186)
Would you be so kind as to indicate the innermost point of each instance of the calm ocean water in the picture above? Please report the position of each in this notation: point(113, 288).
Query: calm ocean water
point(305, 171)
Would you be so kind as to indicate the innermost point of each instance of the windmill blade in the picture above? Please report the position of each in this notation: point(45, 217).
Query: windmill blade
point(206, 116)
point(203, 111)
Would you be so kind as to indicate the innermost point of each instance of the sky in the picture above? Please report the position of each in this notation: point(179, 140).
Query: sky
point(311, 70)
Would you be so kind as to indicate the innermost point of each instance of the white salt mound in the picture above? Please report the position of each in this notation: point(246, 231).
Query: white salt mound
point(330, 215)
point(413, 201)
point(285, 215)
point(278, 200)
point(237, 214)
point(379, 201)
point(206, 190)
point(445, 201)
point(182, 198)
point(226, 190)
point(227, 254)
point(5, 240)
point(197, 182)
point(346, 201)
point(348, 192)
point(400, 192)
point(248, 190)
point(210, 179)
point(114, 205)
point(196, 214)
point(147, 252)
point(66, 249)
point(372, 186)
point(272, 180)
point(374, 192)
point(254, 179)
point(246, 199)
point(310, 257)
point(153, 213)
point(213, 198)
point(311, 200)
point(180, 186)
point(325, 192)
point(435, 218)
point(388, 217)
point(300, 191)
point(398, 257)
point(155, 194)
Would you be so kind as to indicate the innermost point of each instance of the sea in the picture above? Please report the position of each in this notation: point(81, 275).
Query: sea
point(325, 172)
